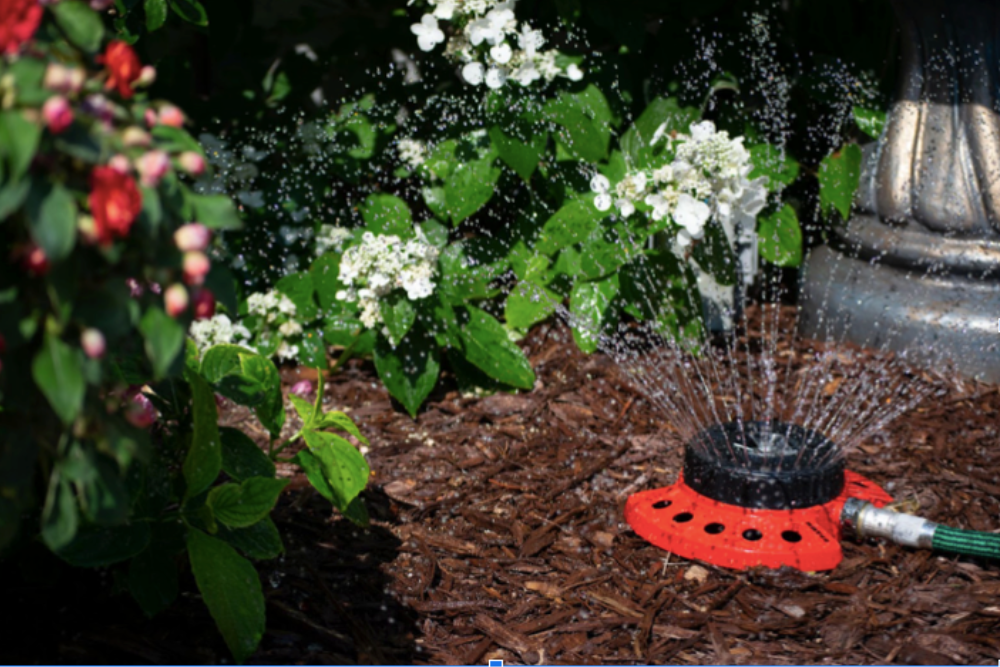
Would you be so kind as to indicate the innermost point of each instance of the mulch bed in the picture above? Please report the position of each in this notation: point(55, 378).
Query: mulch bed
point(497, 532)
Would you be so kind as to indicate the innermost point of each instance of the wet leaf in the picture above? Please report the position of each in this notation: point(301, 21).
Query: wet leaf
point(56, 370)
point(520, 155)
point(164, 338)
point(94, 546)
point(870, 121)
point(241, 457)
point(529, 303)
point(589, 305)
point(839, 175)
point(244, 504)
point(409, 370)
point(780, 237)
point(204, 460)
point(387, 214)
point(80, 23)
point(342, 470)
point(486, 345)
point(259, 541)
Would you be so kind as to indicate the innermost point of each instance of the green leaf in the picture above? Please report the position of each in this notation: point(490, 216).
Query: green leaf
point(573, 223)
point(469, 187)
point(529, 303)
point(59, 516)
point(485, 343)
point(298, 287)
point(152, 580)
point(387, 214)
point(270, 411)
point(192, 12)
point(343, 470)
point(222, 284)
point(714, 254)
point(662, 112)
point(839, 175)
point(781, 237)
point(259, 541)
point(81, 24)
point(231, 589)
point(78, 141)
point(57, 372)
point(398, 314)
point(435, 199)
point(244, 504)
point(216, 211)
point(436, 233)
point(585, 123)
point(325, 272)
point(247, 378)
point(204, 460)
point(12, 195)
point(241, 457)
point(102, 493)
point(52, 219)
point(339, 420)
point(100, 547)
point(312, 349)
point(164, 339)
point(780, 169)
point(605, 253)
point(589, 305)
point(521, 156)
point(156, 14)
point(408, 370)
point(18, 142)
point(870, 121)
point(176, 139)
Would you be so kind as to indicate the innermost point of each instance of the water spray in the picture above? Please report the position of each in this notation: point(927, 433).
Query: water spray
point(774, 493)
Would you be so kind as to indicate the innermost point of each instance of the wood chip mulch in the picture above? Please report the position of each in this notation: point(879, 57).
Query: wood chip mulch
point(497, 532)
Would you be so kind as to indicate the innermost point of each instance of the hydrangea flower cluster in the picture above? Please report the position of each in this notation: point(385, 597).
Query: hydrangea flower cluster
point(412, 152)
point(490, 44)
point(275, 314)
point(218, 330)
point(708, 178)
point(382, 263)
point(331, 237)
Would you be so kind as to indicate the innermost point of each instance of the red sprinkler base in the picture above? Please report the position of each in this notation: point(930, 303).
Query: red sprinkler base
point(680, 520)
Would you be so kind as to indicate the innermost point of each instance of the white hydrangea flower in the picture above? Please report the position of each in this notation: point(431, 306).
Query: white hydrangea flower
point(474, 73)
point(496, 77)
point(444, 9)
point(331, 237)
point(412, 152)
point(290, 328)
point(501, 53)
point(602, 186)
point(428, 33)
point(691, 214)
point(218, 330)
point(382, 263)
point(574, 73)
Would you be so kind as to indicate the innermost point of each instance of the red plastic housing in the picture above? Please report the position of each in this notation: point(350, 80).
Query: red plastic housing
point(684, 522)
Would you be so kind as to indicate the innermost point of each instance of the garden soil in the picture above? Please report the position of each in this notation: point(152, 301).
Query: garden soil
point(497, 533)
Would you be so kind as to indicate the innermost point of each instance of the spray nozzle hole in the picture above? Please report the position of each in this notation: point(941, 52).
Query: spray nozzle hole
point(752, 534)
point(714, 528)
point(683, 517)
point(791, 536)
point(662, 504)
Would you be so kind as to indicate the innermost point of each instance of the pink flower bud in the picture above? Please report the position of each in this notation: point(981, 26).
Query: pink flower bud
point(92, 342)
point(303, 389)
point(192, 236)
point(196, 267)
point(171, 115)
point(35, 262)
point(176, 300)
point(57, 114)
point(152, 166)
point(149, 115)
point(120, 164)
point(204, 304)
point(101, 5)
point(135, 136)
point(64, 80)
point(147, 75)
point(192, 163)
point(87, 228)
point(139, 410)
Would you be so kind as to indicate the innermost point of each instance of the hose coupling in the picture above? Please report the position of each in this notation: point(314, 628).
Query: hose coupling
point(860, 519)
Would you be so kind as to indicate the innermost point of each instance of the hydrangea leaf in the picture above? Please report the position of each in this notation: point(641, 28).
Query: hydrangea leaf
point(663, 112)
point(298, 287)
point(241, 457)
point(231, 588)
point(781, 237)
point(529, 303)
point(398, 314)
point(260, 541)
point(839, 176)
point(410, 369)
point(589, 304)
point(56, 370)
point(344, 471)
point(325, 272)
point(164, 338)
point(244, 504)
point(94, 546)
point(387, 214)
point(779, 168)
point(486, 344)
point(572, 223)
point(469, 187)
point(870, 121)
point(204, 458)
point(520, 155)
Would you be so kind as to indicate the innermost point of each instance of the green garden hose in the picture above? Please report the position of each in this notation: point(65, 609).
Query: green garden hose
point(862, 519)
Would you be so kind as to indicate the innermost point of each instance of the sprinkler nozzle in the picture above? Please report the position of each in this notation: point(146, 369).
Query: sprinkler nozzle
point(861, 519)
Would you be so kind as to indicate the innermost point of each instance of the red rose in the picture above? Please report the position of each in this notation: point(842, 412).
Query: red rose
point(115, 202)
point(123, 67)
point(18, 21)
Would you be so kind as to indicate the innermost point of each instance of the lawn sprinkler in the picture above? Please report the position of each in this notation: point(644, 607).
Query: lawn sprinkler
point(774, 493)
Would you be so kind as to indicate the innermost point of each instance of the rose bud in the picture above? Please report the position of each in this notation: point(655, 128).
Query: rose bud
point(149, 115)
point(147, 75)
point(87, 228)
point(196, 267)
point(135, 289)
point(135, 136)
point(171, 115)
point(193, 236)
point(139, 410)
point(120, 164)
point(92, 342)
point(176, 300)
point(101, 5)
point(152, 166)
point(57, 114)
point(204, 304)
point(302, 389)
point(192, 163)
point(35, 262)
